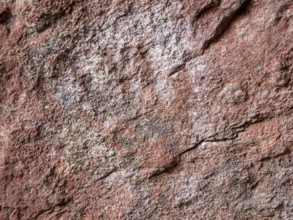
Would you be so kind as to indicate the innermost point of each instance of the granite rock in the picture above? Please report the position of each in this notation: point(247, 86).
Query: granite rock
point(146, 109)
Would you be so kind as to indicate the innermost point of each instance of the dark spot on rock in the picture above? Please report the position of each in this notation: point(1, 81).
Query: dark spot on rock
point(5, 16)
point(244, 9)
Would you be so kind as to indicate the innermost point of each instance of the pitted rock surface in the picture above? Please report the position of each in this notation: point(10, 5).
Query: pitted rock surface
point(146, 109)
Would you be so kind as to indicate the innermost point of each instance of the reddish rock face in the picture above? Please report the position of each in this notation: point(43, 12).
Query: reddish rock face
point(146, 109)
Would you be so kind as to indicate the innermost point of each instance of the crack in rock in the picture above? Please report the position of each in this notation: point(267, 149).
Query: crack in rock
point(177, 159)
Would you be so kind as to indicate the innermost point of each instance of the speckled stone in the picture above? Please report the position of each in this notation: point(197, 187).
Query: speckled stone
point(146, 109)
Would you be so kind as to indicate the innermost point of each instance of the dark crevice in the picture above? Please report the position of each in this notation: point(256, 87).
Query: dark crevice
point(226, 23)
point(64, 201)
point(167, 169)
point(177, 68)
point(208, 8)
point(107, 174)
point(287, 151)
point(5, 16)
point(281, 11)
point(244, 9)
point(176, 161)
point(221, 29)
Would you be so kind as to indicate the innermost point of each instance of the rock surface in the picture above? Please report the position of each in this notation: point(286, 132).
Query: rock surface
point(146, 109)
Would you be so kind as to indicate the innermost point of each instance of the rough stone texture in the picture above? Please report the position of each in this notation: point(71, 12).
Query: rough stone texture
point(146, 109)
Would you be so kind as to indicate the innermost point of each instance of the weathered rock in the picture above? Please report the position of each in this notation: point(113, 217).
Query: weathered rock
point(146, 109)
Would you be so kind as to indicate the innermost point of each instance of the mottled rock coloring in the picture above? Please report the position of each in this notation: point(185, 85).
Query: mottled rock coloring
point(146, 109)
